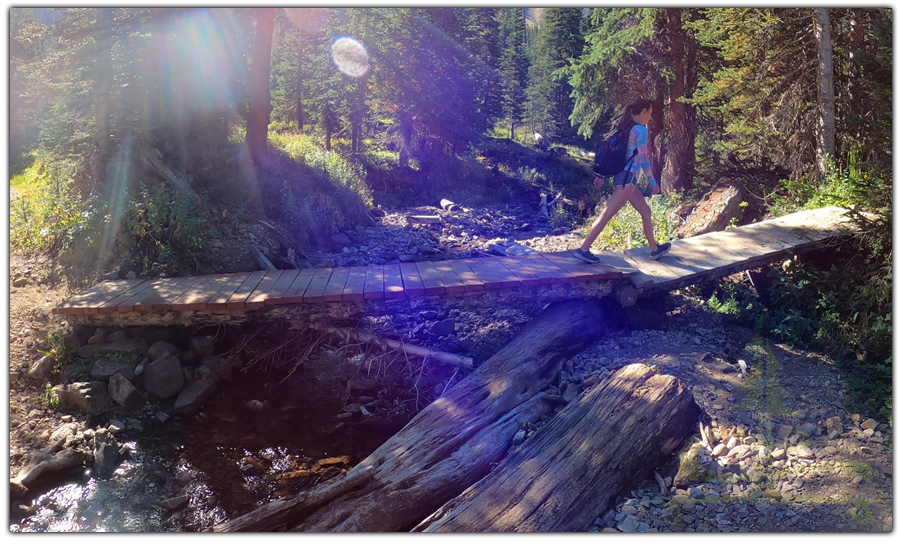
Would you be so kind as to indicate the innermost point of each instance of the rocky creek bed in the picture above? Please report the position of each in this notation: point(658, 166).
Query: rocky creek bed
point(806, 466)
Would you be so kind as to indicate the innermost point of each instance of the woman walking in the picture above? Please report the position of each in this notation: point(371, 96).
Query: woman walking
point(625, 189)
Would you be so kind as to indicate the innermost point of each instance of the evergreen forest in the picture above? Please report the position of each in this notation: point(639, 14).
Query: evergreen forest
point(145, 135)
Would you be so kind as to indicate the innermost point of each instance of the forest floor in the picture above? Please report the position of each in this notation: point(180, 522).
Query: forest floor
point(840, 482)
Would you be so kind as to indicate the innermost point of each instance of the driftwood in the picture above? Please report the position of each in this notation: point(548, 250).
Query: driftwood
point(440, 356)
point(612, 436)
point(50, 460)
point(423, 219)
point(455, 441)
point(714, 212)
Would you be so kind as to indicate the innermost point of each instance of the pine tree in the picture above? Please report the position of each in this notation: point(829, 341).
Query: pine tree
point(558, 41)
point(513, 66)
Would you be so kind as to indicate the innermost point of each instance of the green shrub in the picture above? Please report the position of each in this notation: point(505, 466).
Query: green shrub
point(164, 227)
point(625, 230)
point(49, 214)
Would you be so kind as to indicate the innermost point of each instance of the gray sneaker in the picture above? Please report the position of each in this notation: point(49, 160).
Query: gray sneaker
point(586, 256)
point(660, 250)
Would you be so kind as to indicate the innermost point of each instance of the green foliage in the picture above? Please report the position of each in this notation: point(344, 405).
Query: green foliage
point(327, 193)
point(48, 214)
point(870, 385)
point(164, 227)
point(49, 398)
point(625, 230)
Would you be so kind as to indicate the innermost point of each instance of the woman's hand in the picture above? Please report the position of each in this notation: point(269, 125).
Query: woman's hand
point(598, 182)
point(655, 190)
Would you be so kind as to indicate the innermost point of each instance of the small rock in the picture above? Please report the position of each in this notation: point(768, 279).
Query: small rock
point(778, 454)
point(801, 451)
point(176, 503)
point(696, 492)
point(868, 424)
point(834, 425)
point(629, 525)
point(720, 449)
point(104, 369)
point(194, 395)
point(255, 405)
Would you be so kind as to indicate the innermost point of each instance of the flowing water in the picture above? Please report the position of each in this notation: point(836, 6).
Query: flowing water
point(223, 462)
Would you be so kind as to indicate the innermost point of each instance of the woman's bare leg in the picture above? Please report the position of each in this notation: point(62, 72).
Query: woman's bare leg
point(613, 205)
point(636, 198)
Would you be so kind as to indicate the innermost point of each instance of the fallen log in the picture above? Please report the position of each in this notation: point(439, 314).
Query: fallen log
point(563, 477)
point(48, 461)
point(454, 441)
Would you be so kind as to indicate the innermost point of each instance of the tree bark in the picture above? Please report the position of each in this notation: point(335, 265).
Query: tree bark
point(260, 101)
point(563, 477)
point(825, 130)
point(454, 441)
point(679, 158)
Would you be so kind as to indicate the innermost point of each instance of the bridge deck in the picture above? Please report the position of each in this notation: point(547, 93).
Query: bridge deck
point(690, 260)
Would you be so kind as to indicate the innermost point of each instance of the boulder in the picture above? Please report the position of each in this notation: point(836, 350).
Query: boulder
point(194, 395)
point(104, 369)
point(163, 377)
point(159, 348)
point(106, 453)
point(203, 345)
point(123, 392)
point(219, 367)
point(443, 327)
point(117, 335)
point(89, 397)
point(42, 368)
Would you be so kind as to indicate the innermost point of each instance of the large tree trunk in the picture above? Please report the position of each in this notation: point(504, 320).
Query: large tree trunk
point(260, 102)
point(679, 159)
point(563, 477)
point(454, 441)
point(825, 80)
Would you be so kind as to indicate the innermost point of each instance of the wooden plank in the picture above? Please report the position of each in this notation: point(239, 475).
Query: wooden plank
point(412, 281)
point(374, 285)
point(547, 271)
point(487, 274)
point(580, 270)
point(97, 295)
point(316, 289)
point(703, 254)
point(241, 294)
point(161, 293)
point(294, 294)
point(469, 278)
point(195, 297)
point(515, 266)
point(356, 284)
point(452, 282)
point(257, 298)
point(393, 282)
point(658, 271)
point(112, 305)
point(276, 295)
point(218, 301)
point(507, 277)
point(430, 278)
point(335, 287)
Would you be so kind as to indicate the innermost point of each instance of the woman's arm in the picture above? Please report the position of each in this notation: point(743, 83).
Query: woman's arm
point(643, 157)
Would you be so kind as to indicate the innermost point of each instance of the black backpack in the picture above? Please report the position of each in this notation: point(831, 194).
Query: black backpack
point(611, 157)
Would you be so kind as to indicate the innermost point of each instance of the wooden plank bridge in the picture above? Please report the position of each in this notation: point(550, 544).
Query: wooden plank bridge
point(343, 291)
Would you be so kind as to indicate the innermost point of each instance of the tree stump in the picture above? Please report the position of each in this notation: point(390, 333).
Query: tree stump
point(456, 440)
point(614, 435)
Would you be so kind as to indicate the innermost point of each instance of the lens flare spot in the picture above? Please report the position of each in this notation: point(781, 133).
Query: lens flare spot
point(350, 57)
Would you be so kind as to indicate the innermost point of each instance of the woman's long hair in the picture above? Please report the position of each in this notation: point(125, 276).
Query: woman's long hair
point(627, 117)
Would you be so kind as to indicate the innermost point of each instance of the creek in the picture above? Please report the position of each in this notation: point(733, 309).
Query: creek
point(223, 462)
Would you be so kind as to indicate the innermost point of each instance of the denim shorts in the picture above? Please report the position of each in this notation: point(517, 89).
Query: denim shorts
point(625, 177)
